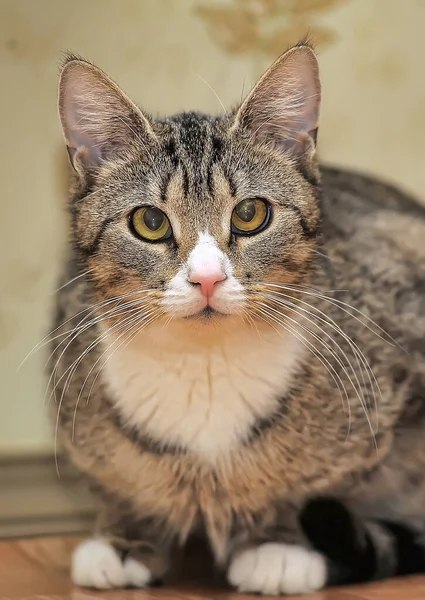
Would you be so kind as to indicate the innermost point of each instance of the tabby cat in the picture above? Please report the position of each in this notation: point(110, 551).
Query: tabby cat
point(240, 342)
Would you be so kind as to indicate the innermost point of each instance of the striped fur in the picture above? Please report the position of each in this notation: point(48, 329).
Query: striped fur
point(302, 406)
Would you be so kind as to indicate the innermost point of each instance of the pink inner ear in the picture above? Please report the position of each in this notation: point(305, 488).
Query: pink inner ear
point(83, 143)
point(85, 148)
point(82, 119)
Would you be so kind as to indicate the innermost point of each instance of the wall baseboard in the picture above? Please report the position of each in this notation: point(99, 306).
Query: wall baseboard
point(35, 500)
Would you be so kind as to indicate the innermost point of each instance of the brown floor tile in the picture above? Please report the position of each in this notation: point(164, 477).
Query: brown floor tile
point(37, 569)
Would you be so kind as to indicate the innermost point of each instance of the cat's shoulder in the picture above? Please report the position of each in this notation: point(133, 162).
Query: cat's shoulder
point(353, 190)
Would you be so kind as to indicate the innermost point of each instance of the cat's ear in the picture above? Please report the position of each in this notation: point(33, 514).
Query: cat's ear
point(99, 121)
point(283, 108)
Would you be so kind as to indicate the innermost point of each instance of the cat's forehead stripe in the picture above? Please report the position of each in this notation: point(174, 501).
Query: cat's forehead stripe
point(193, 148)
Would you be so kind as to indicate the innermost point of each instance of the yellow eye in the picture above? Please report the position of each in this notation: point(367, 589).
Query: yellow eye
point(250, 216)
point(151, 224)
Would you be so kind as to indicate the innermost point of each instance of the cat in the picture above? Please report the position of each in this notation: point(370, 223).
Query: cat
point(239, 346)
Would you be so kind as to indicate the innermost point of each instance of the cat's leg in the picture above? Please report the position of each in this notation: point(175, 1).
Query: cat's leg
point(324, 544)
point(364, 548)
point(327, 542)
point(278, 560)
point(125, 552)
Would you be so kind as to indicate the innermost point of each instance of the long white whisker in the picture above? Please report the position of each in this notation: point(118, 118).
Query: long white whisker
point(72, 281)
point(148, 319)
point(72, 369)
point(212, 90)
point(319, 356)
point(340, 304)
point(82, 327)
point(92, 308)
point(318, 339)
point(355, 384)
point(74, 334)
point(361, 359)
point(334, 302)
point(128, 315)
point(134, 322)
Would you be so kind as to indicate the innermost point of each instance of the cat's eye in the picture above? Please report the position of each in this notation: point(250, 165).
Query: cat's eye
point(250, 216)
point(150, 223)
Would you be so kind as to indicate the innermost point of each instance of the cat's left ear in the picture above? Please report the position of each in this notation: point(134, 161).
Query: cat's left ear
point(283, 108)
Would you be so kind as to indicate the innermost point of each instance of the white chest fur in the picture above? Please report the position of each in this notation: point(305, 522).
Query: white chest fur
point(201, 392)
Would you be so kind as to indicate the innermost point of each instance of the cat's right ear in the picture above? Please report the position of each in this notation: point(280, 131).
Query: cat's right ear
point(99, 121)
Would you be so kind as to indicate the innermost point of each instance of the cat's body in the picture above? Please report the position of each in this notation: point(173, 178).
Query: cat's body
point(229, 424)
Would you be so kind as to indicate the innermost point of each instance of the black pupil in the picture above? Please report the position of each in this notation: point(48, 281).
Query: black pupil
point(153, 218)
point(246, 211)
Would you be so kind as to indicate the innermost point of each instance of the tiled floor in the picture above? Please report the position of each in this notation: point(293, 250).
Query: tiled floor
point(38, 570)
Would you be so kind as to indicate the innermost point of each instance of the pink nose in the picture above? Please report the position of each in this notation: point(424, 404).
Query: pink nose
point(207, 281)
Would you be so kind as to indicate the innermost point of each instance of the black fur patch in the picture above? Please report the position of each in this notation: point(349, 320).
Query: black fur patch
point(333, 531)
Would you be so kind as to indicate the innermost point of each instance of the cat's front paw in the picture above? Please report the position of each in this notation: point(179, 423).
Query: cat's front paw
point(274, 569)
point(96, 564)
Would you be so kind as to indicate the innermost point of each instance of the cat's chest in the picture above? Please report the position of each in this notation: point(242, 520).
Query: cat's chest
point(202, 397)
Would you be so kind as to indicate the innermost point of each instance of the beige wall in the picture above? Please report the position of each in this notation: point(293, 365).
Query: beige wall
point(160, 51)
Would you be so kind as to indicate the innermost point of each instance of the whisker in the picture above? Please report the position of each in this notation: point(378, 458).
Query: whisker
point(73, 367)
point(148, 319)
point(71, 370)
point(128, 328)
point(319, 356)
point(358, 353)
point(212, 90)
point(355, 384)
point(251, 321)
point(72, 281)
point(82, 327)
point(127, 315)
point(317, 338)
point(77, 331)
point(93, 308)
point(340, 304)
point(320, 254)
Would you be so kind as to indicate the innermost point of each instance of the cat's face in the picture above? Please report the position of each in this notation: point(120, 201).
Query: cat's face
point(192, 215)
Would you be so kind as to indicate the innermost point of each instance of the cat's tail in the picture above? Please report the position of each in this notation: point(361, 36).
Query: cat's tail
point(361, 550)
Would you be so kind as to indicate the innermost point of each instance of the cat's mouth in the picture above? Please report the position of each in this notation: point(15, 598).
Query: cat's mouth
point(206, 313)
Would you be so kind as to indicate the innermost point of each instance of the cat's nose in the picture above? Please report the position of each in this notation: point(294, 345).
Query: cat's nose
point(207, 280)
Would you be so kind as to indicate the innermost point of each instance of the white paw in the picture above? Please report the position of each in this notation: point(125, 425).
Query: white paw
point(96, 564)
point(274, 569)
point(136, 573)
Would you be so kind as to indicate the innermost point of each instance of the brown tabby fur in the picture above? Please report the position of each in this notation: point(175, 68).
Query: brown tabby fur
point(336, 231)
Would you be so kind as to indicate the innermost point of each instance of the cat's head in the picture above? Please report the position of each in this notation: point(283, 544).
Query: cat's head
point(195, 216)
